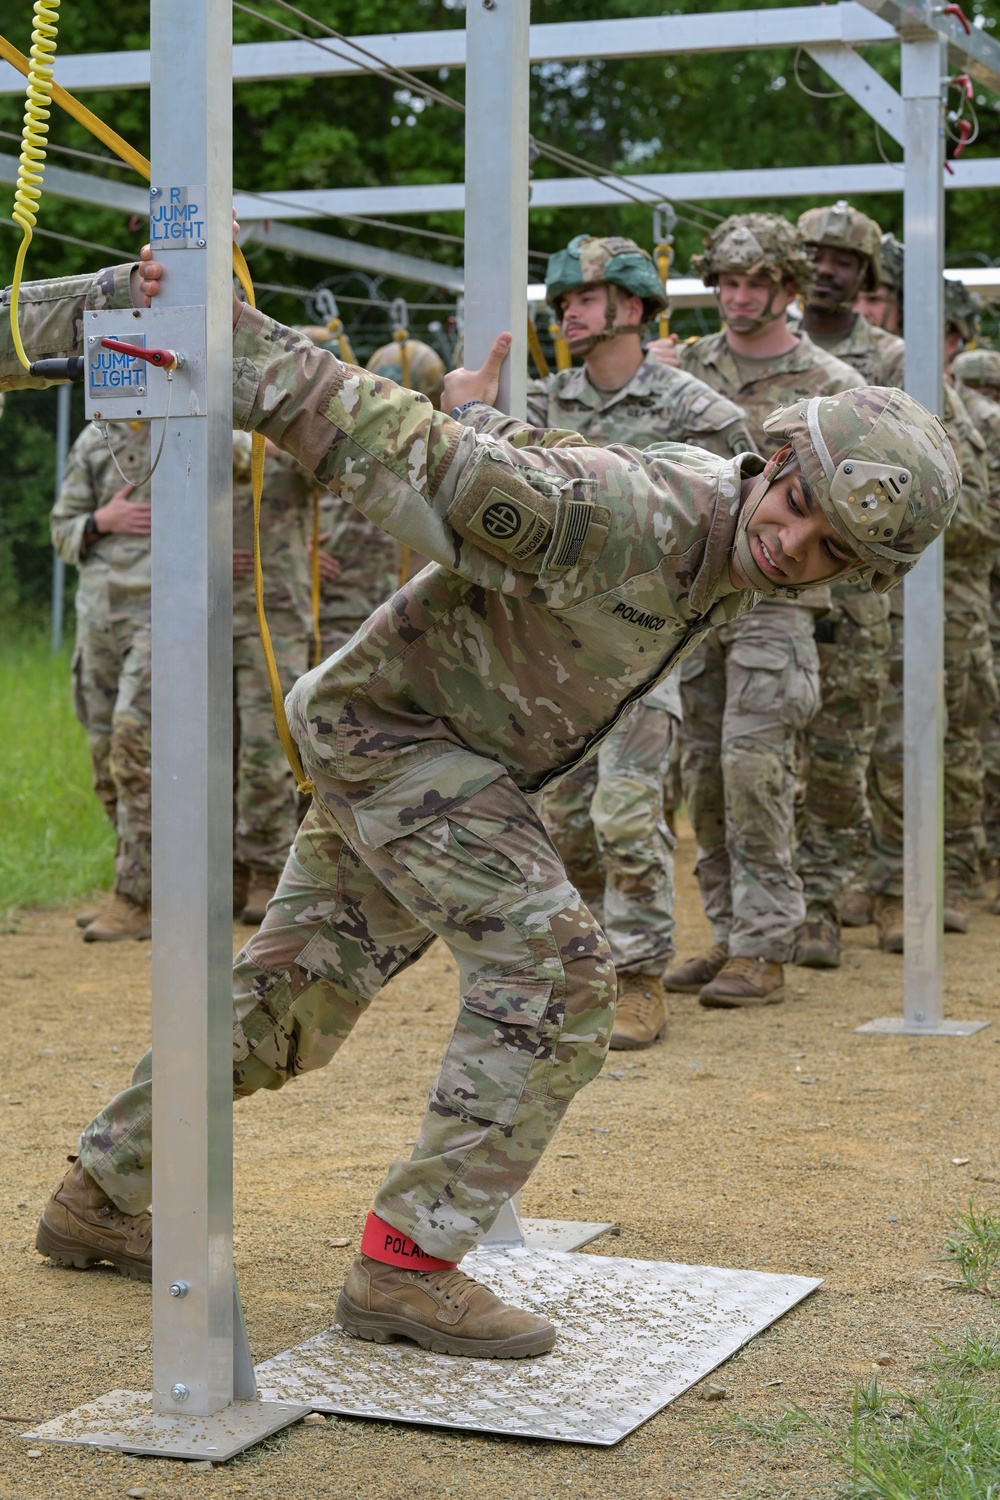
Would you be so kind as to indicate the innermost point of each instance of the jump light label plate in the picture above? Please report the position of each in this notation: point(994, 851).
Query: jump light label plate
point(177, 218)
point(118, 388)
point(633, 1336)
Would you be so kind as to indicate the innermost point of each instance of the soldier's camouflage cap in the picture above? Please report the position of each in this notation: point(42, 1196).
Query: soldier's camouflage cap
point(882, 468)
point(892, 258)
point(425, 367)
point(977, 367)
point(844, 228)
point(589, 260)
point(961, 310)
point(754, 245)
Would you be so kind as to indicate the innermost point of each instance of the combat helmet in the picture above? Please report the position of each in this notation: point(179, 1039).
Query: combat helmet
point(842, 227)
point(611, 261)
point(755, 245)
point(977, 367)
point(961, 310)
point(880, 466)
point(892, 259)
point(425, 367)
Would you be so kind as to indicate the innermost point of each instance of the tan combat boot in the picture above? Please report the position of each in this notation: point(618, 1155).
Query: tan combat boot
point(745, 981)
point(857, 909)
point(691, 975)
point(444, 1311)
point(956, 908)
point(261, 888)
point(817, 945)
point(640, 1015)
point(118, 920)
point(889, 919)
point(84, 918)
point(81, 1226)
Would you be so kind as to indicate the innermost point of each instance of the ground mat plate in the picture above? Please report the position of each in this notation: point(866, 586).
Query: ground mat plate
point(633, 1335)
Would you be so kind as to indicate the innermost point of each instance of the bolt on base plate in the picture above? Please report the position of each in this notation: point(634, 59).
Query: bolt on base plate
point(125, 1421)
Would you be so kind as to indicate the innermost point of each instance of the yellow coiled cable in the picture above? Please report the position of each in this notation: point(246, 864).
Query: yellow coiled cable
point(28, 192)
point(140, 164)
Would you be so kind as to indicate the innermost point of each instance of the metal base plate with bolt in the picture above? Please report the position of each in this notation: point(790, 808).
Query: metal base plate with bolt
point(633, 1336)
point(125, 1421)
point(904, 1026)
point(510, 1232)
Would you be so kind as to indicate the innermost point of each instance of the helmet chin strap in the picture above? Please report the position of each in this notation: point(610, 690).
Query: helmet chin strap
point(847, 304)
point(754, 325)
point(759, 580)
point(589, 342)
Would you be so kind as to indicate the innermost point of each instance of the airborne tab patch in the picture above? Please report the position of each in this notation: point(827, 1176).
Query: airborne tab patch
point(503, 513)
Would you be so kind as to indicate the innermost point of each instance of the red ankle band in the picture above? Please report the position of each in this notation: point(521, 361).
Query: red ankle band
point(394, 1248)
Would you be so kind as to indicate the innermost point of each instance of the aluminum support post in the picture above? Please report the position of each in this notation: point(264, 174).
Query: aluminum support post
point(58, 566)
point(924, 69)
point(496, 189)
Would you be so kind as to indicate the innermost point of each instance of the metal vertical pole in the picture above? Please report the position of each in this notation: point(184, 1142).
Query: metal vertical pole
point(924, 67)
point(191, 133)
point(58, 566)
point(496, 188)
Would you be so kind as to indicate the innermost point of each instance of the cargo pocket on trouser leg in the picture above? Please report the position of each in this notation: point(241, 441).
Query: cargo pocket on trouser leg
point(495, 1044)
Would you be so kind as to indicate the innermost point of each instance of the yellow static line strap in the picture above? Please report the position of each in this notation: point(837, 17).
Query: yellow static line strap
point(317, 638)
point(563, 357)
point(534, 344)
point(663, 254)
point(140, 164)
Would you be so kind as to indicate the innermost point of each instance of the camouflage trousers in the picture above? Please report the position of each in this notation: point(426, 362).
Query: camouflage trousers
point(358, 902)
point(747, 689)
point(606, 820)
point(970, 691)
point(835, 821)
point(111, 698)
point(265, 810)
point(991, 732)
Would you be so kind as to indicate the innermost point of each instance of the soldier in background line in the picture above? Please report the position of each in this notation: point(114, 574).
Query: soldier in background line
point(752, 686)
point(977, 377)
point(606, 817)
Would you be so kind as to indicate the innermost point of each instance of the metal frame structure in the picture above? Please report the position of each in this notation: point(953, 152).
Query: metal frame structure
point(203, 1402)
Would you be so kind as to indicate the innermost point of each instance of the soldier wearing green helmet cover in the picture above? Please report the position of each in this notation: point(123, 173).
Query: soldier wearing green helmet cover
point(977, 378)
point(567, 580)
point(750, 689)
point(606, 818)
point(883, 307)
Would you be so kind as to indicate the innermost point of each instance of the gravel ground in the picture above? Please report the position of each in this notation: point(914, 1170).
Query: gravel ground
point(776, 1140)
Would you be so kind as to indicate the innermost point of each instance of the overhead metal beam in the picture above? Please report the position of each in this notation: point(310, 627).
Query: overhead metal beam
point(865, 85)
point(975, 52)
point(83, 187)
point(340, 252)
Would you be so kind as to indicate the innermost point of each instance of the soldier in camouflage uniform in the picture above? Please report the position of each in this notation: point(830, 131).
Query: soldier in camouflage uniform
point(101, 524)
point(606, 817)
point(752, 687)
point(977, 377)
point(498, 668)
point(265, 803)
point(970, 683)
point(854, 639)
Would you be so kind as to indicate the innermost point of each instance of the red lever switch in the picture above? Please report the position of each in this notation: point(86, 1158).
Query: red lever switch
point(163, 359)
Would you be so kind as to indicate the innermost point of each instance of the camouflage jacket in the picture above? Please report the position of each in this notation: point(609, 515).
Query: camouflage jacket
point(286, 512)
point(985, 415)
point(50, 314)
point(114, 568)
point(369, 563)
point(658, 405)
point(876, 355)
point(804, 371)
point(567, 579)
point(970, 538)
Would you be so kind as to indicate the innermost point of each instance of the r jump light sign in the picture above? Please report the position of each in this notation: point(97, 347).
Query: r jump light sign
point(177, 218)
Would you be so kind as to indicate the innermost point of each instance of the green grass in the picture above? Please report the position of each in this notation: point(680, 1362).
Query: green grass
point(56, 843)
point(974, 1249)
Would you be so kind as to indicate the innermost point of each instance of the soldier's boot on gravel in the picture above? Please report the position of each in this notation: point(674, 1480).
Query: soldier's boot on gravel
point(261, 887)
point(444, 1311)
point(817, 945)
point(857, 909)
point(692, 974)
point(80, 1226)
point(745, 980)
point(889, 919)
point(84, 918)
point(955, 909)
point(640, 1015)
point(118, 920)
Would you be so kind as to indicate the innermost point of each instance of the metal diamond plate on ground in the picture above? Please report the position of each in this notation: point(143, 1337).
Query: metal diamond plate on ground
point(633, 1335)
point(125, 1420)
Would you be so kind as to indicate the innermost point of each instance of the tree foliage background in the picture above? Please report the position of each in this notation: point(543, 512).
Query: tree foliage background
point(675, 113)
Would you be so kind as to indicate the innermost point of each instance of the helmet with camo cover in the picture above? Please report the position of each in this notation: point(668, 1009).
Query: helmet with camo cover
point(880, 466)
point(842, 227)
point(891, 261)
point(755, 245)
point(611, 261)
point(425, 367)
point(978, 367)
point(961, 310)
